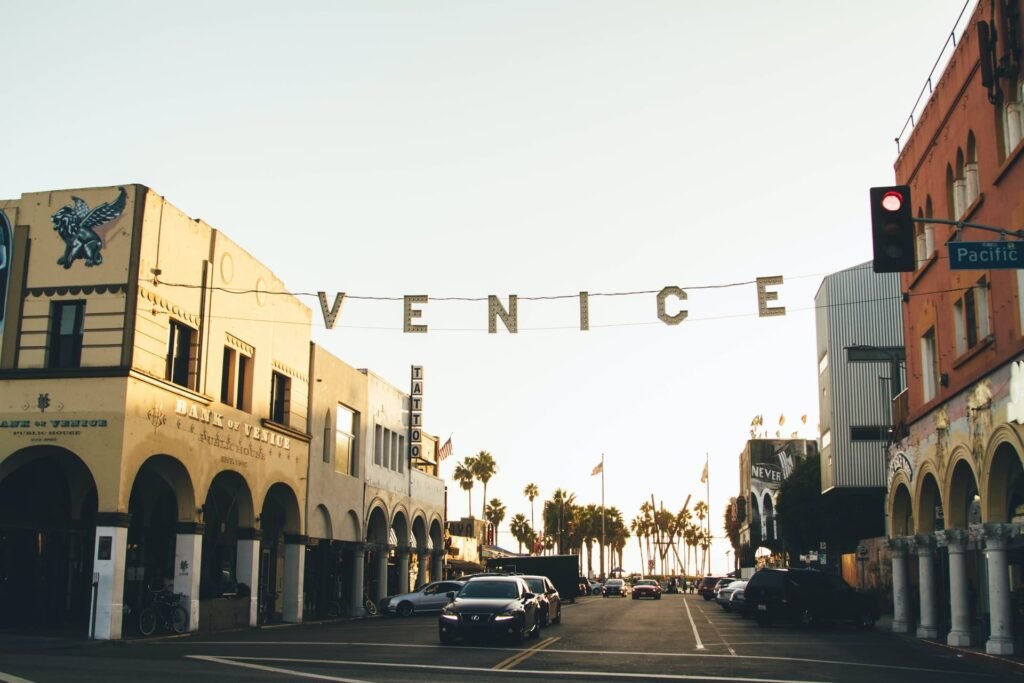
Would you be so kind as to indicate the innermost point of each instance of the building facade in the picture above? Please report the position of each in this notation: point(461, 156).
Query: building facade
point(954, 478)
point(154, 421)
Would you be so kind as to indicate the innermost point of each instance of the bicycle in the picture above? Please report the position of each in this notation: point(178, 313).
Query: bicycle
point(369, 605)
point(164, 611)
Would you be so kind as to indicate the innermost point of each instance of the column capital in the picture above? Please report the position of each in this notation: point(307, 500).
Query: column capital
point(954, 540)
point(998, 534)
point(404, 550)
point(423, 552)
point(923, 544)
point(437, 553)
point(898, 545)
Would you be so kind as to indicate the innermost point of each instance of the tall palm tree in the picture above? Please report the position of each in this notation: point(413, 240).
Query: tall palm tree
point(637, 527)
point(531, 491)
point(494, 512)
point(557, 516)
point(464, 475)
point(521, 531)
point(617, 534)
point(701, 509)
point(682, 521)
point(588, 515)
point(484, 468)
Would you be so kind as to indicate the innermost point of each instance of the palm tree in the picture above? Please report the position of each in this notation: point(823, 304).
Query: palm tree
point(613, 520)
point(557, 515)
point(464, 475)
point(637, 527)
point(521, 531)
point(531, 491)
point(617, 534)
point(484, 468)
point(585, 523)
point(494, 512)
point(682, 521)
point(702, 511)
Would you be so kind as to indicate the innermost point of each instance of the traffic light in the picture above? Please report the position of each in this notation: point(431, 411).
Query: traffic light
point(892, 229)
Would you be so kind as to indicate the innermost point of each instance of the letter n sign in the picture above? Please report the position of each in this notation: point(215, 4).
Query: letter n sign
point(416, 413)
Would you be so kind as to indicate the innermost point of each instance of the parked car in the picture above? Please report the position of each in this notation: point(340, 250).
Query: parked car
point(548, 597)
point(428, 598)
point(738, 603)
point(807, 596)
point(646, 588)
point(724, 596)
point(706, 587)
point(596, 587)
point(490, 606)
point(616, 587)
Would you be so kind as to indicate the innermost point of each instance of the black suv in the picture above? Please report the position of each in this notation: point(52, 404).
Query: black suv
point(807, 596)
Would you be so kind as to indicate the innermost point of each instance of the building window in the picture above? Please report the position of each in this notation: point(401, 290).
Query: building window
point(401, 453)
point(345, 430)
point(929, 366)
point(378, 445)
point(280, 398)
point(181, 355)
point(327, 437)
point(66, 323)
point(869, 433)
point(971, 317)
point(236, 379)
point(1012, 119)
point(971, 178)
point(826, 439)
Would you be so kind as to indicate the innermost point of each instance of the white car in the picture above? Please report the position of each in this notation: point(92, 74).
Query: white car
point(724, 596)
point(430, 597)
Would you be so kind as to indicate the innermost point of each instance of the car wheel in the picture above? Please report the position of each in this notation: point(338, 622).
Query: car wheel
point(558, 616)
point(404, 609)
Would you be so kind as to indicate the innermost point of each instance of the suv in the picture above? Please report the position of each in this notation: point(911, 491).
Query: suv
point(807, 596)
point(706, 587)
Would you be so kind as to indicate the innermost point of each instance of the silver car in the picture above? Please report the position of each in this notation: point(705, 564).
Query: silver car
point(430, 597)
point(724, 596)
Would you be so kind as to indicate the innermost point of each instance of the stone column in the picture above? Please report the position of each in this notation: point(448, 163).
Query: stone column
point(955, 542)
point(294, 576)
point(355, 588)
point(900, 613)
point(108, 575)
point(422, 557)
point(188, 558)
point(997, 537)
point(437, 566)
point(402, 560)
point(924, 547)
point(247, 568)
point(382, 572)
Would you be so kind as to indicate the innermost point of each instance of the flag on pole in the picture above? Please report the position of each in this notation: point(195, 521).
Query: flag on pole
point(445, 450)
point(599, 469)
point(704, 474)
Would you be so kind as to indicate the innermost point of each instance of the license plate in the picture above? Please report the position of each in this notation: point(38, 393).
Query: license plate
point(762, 608)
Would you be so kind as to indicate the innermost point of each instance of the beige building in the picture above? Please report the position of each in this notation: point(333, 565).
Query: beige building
point(155, 426)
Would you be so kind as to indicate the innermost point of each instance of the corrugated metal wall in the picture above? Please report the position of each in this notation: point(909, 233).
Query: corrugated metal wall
point(856, 307)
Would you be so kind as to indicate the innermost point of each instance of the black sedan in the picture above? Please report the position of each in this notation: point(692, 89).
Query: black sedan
point(548, 597)
point(491, 606)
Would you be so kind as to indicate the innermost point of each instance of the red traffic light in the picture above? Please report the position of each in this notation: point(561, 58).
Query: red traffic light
point(892, 201)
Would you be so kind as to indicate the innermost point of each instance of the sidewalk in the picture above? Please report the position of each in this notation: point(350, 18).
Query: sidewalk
point(1013, 664)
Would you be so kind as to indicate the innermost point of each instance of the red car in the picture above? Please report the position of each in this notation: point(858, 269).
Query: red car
point(646, 588)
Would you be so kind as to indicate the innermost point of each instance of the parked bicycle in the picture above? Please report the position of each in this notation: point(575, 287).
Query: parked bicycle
point(164, 611)
point(369, 605)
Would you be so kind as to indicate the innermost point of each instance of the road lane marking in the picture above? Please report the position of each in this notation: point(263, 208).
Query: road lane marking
point(11, 678)
point(624, 653)
point(700, 645)
point(539, 673)
point(523, 655)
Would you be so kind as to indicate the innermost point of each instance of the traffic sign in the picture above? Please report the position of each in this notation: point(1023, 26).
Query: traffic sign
point(985, 255)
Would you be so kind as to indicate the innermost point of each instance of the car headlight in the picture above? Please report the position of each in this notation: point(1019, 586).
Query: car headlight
point(504, 616)
point(449, 613)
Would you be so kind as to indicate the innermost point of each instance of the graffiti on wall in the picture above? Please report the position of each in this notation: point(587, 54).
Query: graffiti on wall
point(6, 239)
point(76, 224)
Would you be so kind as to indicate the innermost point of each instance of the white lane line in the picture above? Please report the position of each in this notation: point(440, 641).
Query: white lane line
point(538, 673)
point(11, 678)
point(700, 645)
point(624, 653)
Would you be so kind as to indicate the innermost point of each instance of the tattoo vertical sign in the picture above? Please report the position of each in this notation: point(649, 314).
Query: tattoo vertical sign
point(416, 415)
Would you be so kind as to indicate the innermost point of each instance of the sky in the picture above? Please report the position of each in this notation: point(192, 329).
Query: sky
point(472, 148)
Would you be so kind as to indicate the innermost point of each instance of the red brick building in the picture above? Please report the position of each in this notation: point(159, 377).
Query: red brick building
point(955, 480)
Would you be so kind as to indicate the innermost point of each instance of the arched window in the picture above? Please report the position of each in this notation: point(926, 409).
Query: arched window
point(973, 183)
point(1011, 119)
point(951, 212)
point(959, 187)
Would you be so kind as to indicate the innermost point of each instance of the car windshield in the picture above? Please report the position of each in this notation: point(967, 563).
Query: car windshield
point(646, 582)
point(536, 585)
point(614, 582)
point(489, 589)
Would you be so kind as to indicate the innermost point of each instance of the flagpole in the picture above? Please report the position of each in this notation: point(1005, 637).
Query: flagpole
point(602, 513)
point(707, 482)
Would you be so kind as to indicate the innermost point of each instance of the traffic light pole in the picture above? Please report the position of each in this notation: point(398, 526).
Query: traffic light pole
point(960, 225)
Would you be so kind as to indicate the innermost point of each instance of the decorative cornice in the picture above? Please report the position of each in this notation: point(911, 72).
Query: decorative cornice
point(954, 540)
point(291, 372)
point(75, 290)
point(233, 341)
point(162, 305)
point(997, 535)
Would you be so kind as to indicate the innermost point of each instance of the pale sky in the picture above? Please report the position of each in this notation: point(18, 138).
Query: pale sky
point(461, 149)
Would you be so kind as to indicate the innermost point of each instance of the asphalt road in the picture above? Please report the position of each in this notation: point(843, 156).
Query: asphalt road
point(601, 639)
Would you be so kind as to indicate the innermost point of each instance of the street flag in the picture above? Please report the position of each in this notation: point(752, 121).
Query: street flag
point(704, 474)
point(782, 420)
point(445, 450)
point(599, 469)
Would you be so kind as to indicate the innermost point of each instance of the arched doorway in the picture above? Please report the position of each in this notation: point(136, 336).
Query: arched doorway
point(279, 577)
point(376, 554)
point(48, 505)
point(228, 520)
point(902, 518)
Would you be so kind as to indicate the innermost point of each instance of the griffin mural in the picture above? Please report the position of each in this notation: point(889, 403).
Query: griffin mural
point(76, 225)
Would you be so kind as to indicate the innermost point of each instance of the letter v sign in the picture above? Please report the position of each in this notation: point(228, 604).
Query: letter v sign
point(331, 315)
